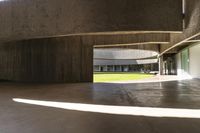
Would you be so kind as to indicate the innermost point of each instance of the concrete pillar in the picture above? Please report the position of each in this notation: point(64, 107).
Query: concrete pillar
point(161, 65)
point(106, 68)
point(152, 67)
point(120, 68)
point(99, 68)
point(113, 68)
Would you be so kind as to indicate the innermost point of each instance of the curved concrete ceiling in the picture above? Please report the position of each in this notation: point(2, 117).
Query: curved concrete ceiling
point(123, 54)
point(27, 19)
point(124, 62)
point(149, 47)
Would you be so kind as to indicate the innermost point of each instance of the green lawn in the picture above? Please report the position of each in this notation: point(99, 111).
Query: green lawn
point(119, 76)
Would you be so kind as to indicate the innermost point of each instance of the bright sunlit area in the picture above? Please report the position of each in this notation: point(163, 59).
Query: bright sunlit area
point(124, 64)
point(116, 110)
point(119, 76)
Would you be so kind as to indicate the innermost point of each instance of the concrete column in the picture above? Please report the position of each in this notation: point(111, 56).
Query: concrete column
point(99, 68)
point(106, 69)
point(152, 67)
point(161, 65)
point(120, 68)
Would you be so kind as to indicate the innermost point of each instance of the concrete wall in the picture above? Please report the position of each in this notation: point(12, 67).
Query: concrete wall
point(47, 60)
point(70, 58)
point(40, 18)
point(61, 59)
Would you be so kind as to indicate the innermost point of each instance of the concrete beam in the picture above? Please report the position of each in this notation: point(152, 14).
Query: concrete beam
point(27, 19)
point(193, 40)
point(127, 39)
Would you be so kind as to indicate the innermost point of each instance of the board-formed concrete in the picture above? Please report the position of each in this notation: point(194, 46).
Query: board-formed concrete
point(47, 60)
point(63, 59)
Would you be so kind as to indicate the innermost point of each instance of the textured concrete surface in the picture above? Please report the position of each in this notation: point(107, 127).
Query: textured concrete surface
point(36, 18)
point(24, 118)
point(66, 59)
point(61, 60)
point(192, 26)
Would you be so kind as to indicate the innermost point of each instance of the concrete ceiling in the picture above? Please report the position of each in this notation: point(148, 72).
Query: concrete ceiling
point(28, 19)
point(103, 23)
point(123, 54)
point(124, 62)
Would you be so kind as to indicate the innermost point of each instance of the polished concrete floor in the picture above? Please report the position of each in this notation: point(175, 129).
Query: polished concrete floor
point(16, 117)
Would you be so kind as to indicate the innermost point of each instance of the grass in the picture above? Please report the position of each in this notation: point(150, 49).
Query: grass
point(119, 76)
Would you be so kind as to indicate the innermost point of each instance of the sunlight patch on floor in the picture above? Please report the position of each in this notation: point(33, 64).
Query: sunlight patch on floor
point(117, 110)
